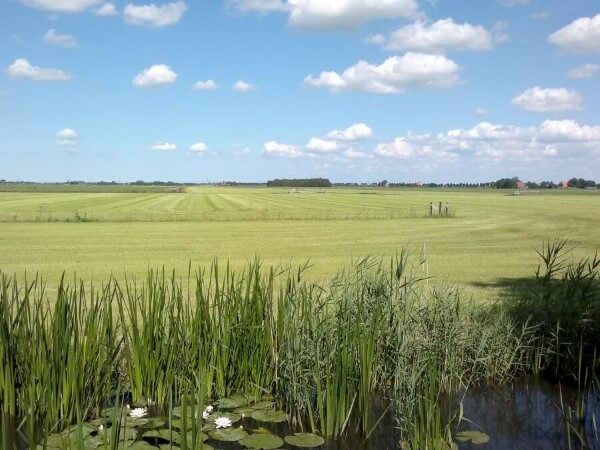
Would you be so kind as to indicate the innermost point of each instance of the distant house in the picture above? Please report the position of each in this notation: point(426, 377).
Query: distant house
point(564, 184)
point(521, 185)
point(418, 184)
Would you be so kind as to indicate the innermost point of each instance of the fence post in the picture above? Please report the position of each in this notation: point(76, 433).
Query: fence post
point(431, 208)
point(440, 209)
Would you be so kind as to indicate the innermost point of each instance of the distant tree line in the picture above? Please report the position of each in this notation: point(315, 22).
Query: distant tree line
point(299, 182)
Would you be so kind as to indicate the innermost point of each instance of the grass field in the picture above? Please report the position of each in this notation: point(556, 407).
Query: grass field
point(490, 238)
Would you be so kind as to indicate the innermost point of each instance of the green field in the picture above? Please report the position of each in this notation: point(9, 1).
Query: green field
point(491, 236)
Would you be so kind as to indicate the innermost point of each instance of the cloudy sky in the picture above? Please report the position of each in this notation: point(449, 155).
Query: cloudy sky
point(248, 90)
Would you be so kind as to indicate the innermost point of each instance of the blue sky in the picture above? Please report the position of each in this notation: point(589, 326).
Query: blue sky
point(353, 90)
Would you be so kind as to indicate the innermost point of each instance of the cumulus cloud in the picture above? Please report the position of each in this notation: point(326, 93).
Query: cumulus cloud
point(552, 138)
point(356, 154)
point(153, 15)
point(436, 37)
point(107, 9)
point(21, 68)
point(199, 147)
point(393, 76)
point(585, 71)
point(274, 148)
point(581, 35)
point(322, 145)
point(164, 147)
point(243, 86)
point(64, 6)
point(66, 137)
point(207, 85)
point(398, 148)
point(53, 37)
point(355, 132)
point(332, 15)
point(538, 99)
point(157, 75)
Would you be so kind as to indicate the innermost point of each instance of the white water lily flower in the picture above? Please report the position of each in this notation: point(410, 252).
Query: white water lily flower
point(205, 415)
point(209, 409)
point(138, 413)
point(222, 422)
point(101, 427)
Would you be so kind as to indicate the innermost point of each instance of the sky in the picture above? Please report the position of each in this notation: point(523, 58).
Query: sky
point(251, 90)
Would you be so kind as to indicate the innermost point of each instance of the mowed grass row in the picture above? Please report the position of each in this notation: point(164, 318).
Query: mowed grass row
point(210, 203)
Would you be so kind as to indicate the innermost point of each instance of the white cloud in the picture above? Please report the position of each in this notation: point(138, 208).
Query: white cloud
point(207, 85)
point(199, 147)
point(66, 133)
point(355, 132)
point(243, 86)
point(65, 6)
point(322, 145)
point(107, 9)
point(552, 138)
point(398, 148)
point(156, 75)
point(437, 37)
point(164, 147)
point(585, 71)
point(393, 76)
point(354, 154)
point(53, 37)
point(21, 68)
point(548, 100)
point(274, 148)
point(581, 35)
point(66, 137)
point(481, 111)
point(153, 15)
point(329, 15)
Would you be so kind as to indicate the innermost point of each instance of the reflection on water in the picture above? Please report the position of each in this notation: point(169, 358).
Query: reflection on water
point(529, 414)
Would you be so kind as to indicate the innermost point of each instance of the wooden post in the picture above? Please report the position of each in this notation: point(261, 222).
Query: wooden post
point(440, 210)
point(431, 208)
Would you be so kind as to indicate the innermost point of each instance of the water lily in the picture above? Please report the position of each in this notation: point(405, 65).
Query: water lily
point(222, 422)
point(101, 427)
point(205, 415)
point(209, 408)
point(138, 413)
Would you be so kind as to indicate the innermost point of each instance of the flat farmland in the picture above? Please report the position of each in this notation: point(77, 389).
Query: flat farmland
point(490, 238)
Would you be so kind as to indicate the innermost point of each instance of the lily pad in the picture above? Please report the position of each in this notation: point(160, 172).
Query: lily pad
point(189, 439)
point(228, 434)
point(263, 404)
point(262, 441)
point(234, 401)
point(307, 440)
point(475, 437)
point(141, 445)
point(269, 416)
point(164, 434)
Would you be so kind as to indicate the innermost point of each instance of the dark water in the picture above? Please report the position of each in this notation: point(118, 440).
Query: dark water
point(530, 414)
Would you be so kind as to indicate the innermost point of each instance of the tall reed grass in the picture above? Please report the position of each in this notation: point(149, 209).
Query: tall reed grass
point(377, 339)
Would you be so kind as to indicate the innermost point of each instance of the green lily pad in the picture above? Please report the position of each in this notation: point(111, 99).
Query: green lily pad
point(269, 416)
point(307, 440)
point(228, 434)
point(262, 441)
point(476, 437)
point(244, 410)
point(164, 434)
point(201, 437)
point(234, 401)
point(263, 404)
point(141, 445)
